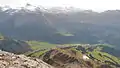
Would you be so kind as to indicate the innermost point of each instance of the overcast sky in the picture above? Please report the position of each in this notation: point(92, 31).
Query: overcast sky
point(96, 5)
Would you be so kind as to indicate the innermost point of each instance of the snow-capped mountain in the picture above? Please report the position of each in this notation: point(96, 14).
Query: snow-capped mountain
point(31, 8)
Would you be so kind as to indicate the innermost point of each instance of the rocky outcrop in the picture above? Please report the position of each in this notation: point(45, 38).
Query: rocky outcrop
point(64, 60)
point(71, 58)
point(10, 60)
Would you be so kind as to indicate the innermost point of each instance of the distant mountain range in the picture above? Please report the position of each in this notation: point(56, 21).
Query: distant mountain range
point(61, 25)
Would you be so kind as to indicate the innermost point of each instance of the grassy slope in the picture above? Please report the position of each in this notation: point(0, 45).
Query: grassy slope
point(40, 45)
point(64, 34)
point(37, 45)
point(103, 58)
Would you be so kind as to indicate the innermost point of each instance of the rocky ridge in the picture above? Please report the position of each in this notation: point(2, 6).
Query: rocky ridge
point(78, 57)
point(10, 60)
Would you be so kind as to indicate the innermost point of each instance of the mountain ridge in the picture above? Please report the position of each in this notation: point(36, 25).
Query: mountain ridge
point(11, 60)
point(70, 27)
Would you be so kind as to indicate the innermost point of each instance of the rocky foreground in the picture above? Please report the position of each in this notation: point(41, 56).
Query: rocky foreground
point(10, 60)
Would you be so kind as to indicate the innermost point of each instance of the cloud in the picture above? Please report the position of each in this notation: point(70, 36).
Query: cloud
point(83, 4)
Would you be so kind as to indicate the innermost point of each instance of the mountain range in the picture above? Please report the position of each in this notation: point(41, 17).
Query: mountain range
point(61, 25)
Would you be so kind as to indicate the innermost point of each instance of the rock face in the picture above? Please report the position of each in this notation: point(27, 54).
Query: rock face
point(10, 60)
point(67, 59)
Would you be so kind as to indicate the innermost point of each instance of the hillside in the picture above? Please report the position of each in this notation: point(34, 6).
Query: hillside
point(14, 46)
point(63, 56)
point(57, 55)
point(78, 56)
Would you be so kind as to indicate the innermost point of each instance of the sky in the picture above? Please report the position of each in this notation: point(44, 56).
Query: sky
point(96, 5)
